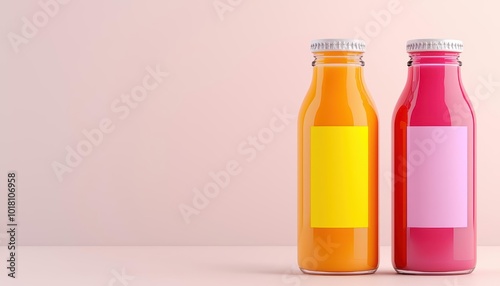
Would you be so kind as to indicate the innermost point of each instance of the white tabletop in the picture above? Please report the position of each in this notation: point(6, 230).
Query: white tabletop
point(212, 265)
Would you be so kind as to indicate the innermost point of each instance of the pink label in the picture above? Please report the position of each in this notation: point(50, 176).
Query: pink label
point(437, 176)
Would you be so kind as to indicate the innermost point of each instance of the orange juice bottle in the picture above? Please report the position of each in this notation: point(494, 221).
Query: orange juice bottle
point(337, 165)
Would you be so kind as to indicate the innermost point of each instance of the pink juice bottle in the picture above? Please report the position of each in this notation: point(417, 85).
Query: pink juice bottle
point(434, 176)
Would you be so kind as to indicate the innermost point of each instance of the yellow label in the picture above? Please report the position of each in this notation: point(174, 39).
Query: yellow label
point(339, 176)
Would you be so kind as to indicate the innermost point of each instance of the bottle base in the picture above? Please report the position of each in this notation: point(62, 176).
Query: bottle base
point(314, 272)
point(413, 272)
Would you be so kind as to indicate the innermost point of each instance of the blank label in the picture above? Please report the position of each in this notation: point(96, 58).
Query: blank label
point(437, 176)
point(339, 176)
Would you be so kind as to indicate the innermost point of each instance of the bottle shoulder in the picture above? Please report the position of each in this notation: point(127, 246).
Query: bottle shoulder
point(354, 108)
point(451, 107)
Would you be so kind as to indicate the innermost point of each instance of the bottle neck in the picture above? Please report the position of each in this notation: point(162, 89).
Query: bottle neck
point(434, 68)
point(434, 58)
point(337, 82)
point(338, 68)
point(434, 87)
point(338, 58)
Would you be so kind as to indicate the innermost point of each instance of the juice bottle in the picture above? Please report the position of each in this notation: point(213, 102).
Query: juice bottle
point(337, 165)
point(434, 200)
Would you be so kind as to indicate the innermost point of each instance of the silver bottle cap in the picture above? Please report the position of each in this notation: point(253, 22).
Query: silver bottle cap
point(324, 45)
point(445, 45)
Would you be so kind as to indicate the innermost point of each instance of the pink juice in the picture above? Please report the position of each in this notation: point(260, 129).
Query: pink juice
point(434, 200)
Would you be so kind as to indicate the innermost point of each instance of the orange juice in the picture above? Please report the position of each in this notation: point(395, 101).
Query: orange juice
point(337, 165)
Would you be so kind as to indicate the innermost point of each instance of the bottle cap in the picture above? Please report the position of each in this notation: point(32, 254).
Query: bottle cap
point(445, 45)
point(324, 45)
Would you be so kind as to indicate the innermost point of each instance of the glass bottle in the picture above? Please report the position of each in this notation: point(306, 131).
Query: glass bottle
point(337, 165)
point(434, 179)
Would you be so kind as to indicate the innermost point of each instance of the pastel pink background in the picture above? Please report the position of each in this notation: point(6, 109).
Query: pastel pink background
point(226, 76)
